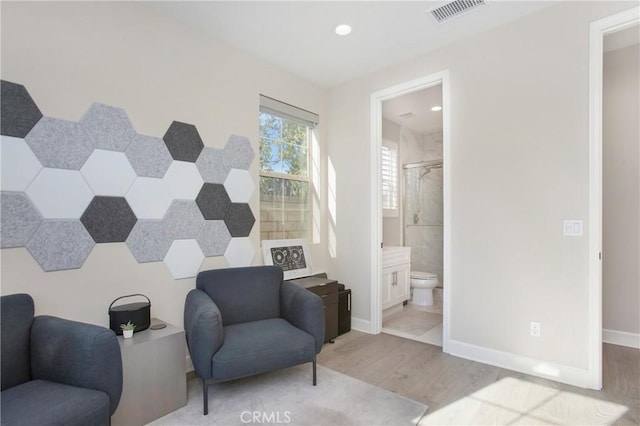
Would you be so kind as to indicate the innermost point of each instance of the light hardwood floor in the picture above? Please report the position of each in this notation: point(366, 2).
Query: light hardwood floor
point(459, 391)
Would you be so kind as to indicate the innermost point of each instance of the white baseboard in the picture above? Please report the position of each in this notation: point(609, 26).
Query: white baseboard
point(548, 370)
point(621, 338)
point(361, 325)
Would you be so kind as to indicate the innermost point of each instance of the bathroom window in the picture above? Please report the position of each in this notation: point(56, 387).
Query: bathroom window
point(285, 156)
point(390, 186)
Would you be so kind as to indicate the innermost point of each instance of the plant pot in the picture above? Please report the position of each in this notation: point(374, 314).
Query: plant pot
point(127, 334)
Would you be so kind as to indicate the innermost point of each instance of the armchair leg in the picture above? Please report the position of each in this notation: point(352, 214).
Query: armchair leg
point(205, 395)
point(314, 371)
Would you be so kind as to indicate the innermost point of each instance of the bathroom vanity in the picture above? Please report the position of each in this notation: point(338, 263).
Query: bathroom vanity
point(396, 271)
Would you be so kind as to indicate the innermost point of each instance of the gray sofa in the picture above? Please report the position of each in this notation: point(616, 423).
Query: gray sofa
point(245, 321)
point(56, 371)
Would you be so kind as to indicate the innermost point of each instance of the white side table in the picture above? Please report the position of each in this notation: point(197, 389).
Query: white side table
point(154, 375)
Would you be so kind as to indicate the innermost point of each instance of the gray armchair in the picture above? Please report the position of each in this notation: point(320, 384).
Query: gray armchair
point(245, 321)
point(56, 371)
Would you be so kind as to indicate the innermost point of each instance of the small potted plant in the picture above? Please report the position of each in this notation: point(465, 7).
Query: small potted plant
point(127, 329)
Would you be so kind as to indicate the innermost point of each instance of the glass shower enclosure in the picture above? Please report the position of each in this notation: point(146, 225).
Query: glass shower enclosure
point(423, 215)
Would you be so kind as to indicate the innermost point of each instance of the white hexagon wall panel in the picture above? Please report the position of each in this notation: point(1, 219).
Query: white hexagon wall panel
point(184, 258)
point(240, 252)
point(183, 180)
point(18, 164)
point(239, 186)
point(60, 194)
point(149, 198)
point(108, 173)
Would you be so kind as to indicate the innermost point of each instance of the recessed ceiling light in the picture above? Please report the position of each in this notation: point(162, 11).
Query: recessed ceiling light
point(436, 108)
point(343, 29)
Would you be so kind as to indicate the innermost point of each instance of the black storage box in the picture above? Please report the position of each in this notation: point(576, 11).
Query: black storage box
point(138, 313)
point(344, 309)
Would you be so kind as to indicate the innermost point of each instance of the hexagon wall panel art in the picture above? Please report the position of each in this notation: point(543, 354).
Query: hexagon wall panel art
point(67, 186)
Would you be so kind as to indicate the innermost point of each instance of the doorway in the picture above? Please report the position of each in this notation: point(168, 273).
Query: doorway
point(599, 29)
point(377, 99)
point(412, 197)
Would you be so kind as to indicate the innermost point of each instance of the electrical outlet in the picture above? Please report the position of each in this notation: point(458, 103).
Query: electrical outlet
point(534, 328)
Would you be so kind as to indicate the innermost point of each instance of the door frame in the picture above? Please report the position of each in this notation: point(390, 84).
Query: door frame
point(598, 30)
point(377, 98)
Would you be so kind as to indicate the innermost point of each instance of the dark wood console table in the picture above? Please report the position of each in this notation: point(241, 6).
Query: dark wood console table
point(327, 289)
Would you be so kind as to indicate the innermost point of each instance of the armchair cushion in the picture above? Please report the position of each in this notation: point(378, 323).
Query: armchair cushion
point(17, 316)
point(76, 354)
point(39, 402)
point(203, 330)
point(303, 309)
point(243, 294)
point(259, 346)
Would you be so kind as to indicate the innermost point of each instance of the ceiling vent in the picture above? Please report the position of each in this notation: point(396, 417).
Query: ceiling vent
point(407, 115)
point(455, 8)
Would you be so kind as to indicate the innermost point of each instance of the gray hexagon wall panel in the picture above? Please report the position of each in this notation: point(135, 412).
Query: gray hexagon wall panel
point(149, 241)
point(214, 238)
point(239, 152)
point(183, 141)
point(213, 201)
point(19, 112)
point(149, 156)
point(239, 219)
point(69, 185)
point(59, 144)
point(213, 165)
point(183, 220)
point(108, 219)
point(60, 244)
point(107, 127)
point(19, 219)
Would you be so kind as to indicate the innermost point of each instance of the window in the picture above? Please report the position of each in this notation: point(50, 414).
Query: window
point(390, 179)
point(285, 183)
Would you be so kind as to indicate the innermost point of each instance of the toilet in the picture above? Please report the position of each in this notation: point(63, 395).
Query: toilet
point(422, 285)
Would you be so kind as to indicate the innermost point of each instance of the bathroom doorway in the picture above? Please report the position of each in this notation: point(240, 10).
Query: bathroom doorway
point(410, 127)
point(599, 31)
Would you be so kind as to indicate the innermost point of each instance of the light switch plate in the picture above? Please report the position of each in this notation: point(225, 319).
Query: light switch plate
point(572, 228)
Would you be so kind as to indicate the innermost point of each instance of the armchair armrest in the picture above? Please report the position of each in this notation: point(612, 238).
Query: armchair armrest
point(303, 309)
point(77, 354)
point(203, 330)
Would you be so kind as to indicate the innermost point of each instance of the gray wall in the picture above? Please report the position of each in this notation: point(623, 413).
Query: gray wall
point(621, 191)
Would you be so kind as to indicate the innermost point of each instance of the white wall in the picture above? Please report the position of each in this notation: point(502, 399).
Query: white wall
point(621, 191)
point(71, 54)
point(519, 166)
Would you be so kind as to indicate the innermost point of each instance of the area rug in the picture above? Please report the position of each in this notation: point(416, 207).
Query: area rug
point(288, 397)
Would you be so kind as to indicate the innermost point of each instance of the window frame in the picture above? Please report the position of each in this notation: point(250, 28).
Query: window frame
point(310, 120)
point(393, 212)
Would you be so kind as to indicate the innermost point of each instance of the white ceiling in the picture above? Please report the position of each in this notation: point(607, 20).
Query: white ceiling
point(298, 36)
point(419, 103)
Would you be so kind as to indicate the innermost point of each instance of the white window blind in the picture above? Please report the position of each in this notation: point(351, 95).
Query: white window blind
point(390, 185)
